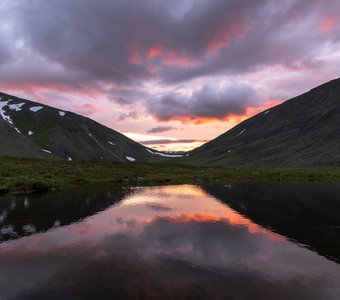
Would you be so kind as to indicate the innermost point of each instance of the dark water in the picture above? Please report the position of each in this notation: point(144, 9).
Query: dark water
point(246, 241)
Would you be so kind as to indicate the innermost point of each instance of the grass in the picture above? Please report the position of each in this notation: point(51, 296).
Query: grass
point(24, 175)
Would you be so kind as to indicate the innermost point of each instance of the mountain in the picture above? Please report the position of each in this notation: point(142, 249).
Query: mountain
point(301, 132)
point(31, 129)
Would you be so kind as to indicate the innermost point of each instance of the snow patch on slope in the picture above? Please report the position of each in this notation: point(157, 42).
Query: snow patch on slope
point(164, 154)
point(16, 107)
point(129, 158)
point(30, 132)
point(3, 113)
point(35, 108)
point(61, 113)
point(47, 151)
point(241, 132)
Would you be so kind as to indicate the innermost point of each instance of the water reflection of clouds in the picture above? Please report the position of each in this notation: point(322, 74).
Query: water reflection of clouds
point(200, 245)
point(165, 194)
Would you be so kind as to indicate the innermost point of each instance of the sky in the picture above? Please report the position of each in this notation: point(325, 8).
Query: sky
point(170, 74)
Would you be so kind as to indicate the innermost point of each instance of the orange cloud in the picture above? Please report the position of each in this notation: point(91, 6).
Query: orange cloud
point(233, 218)
point(231, 118)
point(190, 120)
point(252, 111)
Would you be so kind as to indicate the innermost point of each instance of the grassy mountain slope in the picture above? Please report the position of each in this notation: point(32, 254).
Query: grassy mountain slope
point(301, 132)
point(30, 129)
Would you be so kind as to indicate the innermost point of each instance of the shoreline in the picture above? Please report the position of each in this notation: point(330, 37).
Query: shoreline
point(25, 175)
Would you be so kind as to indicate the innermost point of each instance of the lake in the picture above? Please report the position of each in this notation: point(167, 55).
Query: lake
point(238, 241)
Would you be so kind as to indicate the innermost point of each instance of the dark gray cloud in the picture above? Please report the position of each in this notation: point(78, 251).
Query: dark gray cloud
point(4, 53)
point(208, 102)
point(160, 129)
point(115, 47)
point(110, 40)
point(287, 34)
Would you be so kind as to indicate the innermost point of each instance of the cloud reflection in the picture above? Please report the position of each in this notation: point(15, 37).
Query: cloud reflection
point(195, 248)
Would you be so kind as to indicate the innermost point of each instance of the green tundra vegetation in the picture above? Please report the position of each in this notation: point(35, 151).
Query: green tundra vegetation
point(27, 175)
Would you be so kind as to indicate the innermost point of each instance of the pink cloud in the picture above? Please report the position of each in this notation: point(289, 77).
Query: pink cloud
point(328, 24)
point(224, 34)
point(155, 51)
point(85, 109)
point(174, 58)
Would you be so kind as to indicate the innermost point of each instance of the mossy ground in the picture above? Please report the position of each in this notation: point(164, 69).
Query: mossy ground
point(22, 174)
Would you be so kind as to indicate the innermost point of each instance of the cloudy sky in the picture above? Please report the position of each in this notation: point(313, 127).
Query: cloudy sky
point(171, 74)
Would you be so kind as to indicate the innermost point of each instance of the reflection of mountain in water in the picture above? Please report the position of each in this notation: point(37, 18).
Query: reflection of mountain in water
point(307, 213)
point(173, 242)
point(27, 214)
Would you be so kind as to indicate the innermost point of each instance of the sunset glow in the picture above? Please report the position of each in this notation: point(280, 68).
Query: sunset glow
point(192, 68)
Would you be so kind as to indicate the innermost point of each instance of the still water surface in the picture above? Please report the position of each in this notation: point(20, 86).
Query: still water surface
point(172, 242)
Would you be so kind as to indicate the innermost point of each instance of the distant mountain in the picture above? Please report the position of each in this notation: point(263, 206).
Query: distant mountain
point(31, 129)
point(301, 132)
